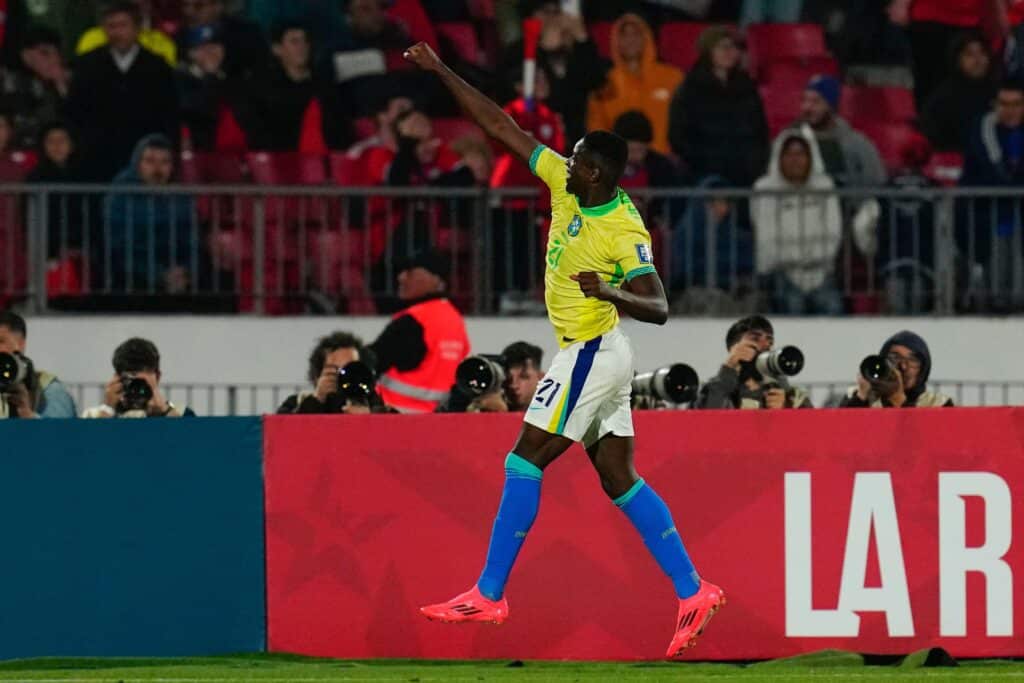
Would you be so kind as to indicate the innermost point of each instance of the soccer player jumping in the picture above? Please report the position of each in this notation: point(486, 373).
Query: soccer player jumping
point(599, 262)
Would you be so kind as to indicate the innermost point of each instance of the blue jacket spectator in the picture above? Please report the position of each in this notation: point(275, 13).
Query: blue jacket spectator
point(986, 228)
point(713, 244)
point(151, 236)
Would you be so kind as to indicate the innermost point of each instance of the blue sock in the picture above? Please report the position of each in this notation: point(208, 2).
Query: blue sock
point(649, 514)
point(519, 502)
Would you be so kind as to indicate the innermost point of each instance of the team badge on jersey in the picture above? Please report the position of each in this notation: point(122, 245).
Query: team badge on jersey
point(643, 253)
point(575, 225)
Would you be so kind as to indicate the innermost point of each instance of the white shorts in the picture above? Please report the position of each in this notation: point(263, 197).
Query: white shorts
point(585, 393)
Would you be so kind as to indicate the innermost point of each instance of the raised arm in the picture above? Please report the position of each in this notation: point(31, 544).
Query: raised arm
point(478, 106)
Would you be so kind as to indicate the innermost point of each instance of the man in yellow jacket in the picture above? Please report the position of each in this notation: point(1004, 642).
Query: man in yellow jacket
point(637, 81)
point(154, 40)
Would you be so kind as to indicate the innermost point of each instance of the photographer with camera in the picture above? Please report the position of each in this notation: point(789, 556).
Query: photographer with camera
point(897, 377)
point(342, 380)
point(755, 374)
point(26, 392)
point(134, 390)
point(487, 383)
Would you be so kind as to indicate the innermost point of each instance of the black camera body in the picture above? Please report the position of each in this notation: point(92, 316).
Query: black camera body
point(481, 374)
point(136, 393)
point(357, 383)
point(677, 383)
point(15, 369)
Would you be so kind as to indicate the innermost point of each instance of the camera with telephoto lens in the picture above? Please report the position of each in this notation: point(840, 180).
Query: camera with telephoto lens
point(481, 374)
point(780, 363)
point(136, 393)
point(676, 383)
point(15, 369)
point(878, 371)
point(357, 382)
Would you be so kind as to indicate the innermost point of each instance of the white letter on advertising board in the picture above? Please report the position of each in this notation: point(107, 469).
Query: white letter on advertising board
point(956, 559)
point(802, 620)
point(873, 505)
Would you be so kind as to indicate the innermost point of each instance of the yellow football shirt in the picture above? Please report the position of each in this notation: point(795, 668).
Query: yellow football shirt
point(610, 240)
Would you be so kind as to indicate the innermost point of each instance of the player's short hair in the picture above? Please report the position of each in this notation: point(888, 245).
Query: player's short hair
point(329, 344)
point(129, 7)
point(744, 325)
point(14, 322)
point(609, 152)
point(136, 355)
point(518, 353)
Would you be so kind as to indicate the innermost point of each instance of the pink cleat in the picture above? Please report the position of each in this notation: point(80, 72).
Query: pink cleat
point(694, 614)
point(470, 606)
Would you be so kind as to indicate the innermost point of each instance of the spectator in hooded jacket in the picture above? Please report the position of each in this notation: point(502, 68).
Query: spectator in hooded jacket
point(151, 236)
point(908, 354)
point(716, 121)
point(636, 82)
point(797, 236)
point(963, 98)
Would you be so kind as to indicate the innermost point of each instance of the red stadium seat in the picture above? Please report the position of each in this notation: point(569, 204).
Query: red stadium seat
point(945, 168)
point(891, 139)
point(346, 170)
point(677, 43)
point(601, 34)
point(286, 168)
point(863, 105)
point(482, 10)
point(797, 72)
point(461, 38)
point(781, 105)
point(411, 14)
point(201, 168)
point(767, 43)
point(16, 165)
point(449, 129)
point(365, 127)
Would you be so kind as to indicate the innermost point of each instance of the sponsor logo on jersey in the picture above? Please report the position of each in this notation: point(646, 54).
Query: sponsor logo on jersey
point(643, 253)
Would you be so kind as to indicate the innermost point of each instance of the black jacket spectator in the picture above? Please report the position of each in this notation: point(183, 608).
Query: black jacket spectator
point(245, 49)
point(963, 98)
point(114, 109)
point(35, 93)
point(206, 90)
point(59, 165)
point(281, 98)
point(718, 125)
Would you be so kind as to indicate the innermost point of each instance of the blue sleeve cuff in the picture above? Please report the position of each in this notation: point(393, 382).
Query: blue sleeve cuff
point(535, 157)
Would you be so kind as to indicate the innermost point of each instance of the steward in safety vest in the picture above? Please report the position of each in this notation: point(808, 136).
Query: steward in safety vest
point(419, 350)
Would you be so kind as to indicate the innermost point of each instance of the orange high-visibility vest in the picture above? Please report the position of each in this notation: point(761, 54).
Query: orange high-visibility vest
point(421, 389)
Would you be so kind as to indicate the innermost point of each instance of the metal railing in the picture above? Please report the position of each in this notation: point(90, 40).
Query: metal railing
point(219, 399)
point(297, 249)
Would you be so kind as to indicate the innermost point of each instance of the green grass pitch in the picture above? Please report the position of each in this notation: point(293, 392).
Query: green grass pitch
point(822, 666)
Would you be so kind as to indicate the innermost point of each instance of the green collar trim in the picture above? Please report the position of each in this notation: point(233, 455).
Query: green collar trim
point(604, 209)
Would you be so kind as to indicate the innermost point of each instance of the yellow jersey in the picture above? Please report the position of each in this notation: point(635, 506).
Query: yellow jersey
point(609, 240)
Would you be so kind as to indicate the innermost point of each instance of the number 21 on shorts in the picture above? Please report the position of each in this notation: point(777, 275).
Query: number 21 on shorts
point(546, 392)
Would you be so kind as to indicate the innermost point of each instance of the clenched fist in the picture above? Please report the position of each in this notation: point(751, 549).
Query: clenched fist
point(423, 56)
point(592, 285)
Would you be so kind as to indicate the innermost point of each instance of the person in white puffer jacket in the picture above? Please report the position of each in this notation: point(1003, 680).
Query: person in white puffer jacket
point(797, 235)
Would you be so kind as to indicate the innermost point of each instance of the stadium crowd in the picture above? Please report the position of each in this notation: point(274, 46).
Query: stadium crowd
point(770, 95)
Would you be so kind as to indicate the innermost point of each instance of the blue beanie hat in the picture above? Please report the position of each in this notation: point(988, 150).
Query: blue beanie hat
point(826, 86)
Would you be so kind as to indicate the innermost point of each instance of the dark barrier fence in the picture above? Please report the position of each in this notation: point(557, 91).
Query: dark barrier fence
point(301, 249)
point(131, 537)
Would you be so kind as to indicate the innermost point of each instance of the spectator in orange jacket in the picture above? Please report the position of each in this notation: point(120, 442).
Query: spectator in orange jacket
point(637, 81)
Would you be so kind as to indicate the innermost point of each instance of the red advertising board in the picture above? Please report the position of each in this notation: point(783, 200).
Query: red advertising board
point(872, 531)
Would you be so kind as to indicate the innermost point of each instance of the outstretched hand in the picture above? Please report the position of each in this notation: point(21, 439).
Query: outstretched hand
point(593, 286)
point(423, 56)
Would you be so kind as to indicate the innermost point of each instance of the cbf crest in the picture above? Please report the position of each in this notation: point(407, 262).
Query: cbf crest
point(575, 225)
